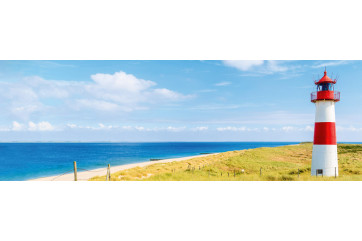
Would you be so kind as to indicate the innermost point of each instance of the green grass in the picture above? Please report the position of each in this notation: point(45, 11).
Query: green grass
point(277, 164)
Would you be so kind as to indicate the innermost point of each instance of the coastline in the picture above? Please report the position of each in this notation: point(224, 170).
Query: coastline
point(86, 175)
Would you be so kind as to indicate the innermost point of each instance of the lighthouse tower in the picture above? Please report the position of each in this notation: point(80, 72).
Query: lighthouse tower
point(324, 157)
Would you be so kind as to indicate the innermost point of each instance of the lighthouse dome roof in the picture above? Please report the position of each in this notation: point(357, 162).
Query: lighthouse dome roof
point(325, 79)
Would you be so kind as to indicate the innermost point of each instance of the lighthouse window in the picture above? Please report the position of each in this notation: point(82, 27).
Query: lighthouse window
point(324, 87)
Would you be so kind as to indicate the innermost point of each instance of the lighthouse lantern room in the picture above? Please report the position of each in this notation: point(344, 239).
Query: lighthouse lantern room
point(324, 157)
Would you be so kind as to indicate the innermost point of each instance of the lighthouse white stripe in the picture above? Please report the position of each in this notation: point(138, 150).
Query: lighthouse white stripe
point(325, 157)
point(325, 111)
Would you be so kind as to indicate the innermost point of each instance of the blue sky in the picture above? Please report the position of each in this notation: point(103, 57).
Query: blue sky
point(172, 100)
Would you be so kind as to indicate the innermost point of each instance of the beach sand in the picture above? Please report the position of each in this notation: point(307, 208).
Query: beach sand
point(85, 175)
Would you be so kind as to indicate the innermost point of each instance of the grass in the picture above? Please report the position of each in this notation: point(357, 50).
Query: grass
point(276, 163)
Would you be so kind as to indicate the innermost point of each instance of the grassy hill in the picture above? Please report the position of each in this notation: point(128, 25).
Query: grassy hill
point(260, 164)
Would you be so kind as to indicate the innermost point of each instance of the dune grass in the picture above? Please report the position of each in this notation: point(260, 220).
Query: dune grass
point(276, 164)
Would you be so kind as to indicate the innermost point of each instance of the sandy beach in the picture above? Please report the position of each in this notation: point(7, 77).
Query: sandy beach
point(85, 175)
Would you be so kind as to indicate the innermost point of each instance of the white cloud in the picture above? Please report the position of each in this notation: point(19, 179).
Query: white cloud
point(288, 128)
point(120, 81)
point(225, 83)
point(104, 93)
point(330, 63)
point(294, 128)
point(275, 66)
point(140, 128)
point(72, 126)
point(41, 126)
point(175, 129)
point(168, 94)
point(260, 66)
point(309, 128)
point(127, 127)
point(17, 126)
point(243, 65)
point(266, 129)
point(231, 128)
point(350, 128)
point(98, 105)
point(201, 128)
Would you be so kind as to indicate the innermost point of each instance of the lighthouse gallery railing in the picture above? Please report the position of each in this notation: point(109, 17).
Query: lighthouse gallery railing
point(313, 96)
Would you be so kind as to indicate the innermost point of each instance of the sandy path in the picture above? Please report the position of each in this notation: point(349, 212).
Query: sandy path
point(85, 175)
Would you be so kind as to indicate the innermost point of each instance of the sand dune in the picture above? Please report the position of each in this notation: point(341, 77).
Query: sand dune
point(85, 175)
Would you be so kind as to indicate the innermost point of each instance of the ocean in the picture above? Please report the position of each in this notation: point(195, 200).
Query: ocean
point(24, 161)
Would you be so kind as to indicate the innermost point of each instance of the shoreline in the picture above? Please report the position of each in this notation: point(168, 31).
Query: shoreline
point(86, 175)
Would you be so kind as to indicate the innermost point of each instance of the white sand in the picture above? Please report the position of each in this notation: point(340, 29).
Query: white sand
point(85, 175)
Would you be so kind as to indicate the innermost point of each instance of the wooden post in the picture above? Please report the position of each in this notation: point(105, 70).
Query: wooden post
point(316, 172)
point(298, 172)
point(75, 171)
point(199, 167)
point(260, 171)
point(109, 172)
point(221, 173)
point(234, 172)
point(228, 174)
point(335, 172)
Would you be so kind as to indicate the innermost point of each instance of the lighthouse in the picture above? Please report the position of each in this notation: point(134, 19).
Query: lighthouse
point(324, 157)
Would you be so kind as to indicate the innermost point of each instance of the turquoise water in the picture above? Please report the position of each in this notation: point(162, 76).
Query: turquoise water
point(23, 161)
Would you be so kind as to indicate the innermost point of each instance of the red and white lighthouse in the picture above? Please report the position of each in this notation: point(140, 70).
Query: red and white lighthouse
point(324, 157)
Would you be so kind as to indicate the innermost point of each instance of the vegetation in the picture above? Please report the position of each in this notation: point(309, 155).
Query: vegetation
point(276, 164)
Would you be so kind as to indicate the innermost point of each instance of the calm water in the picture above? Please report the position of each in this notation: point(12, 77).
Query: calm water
point(22, 161)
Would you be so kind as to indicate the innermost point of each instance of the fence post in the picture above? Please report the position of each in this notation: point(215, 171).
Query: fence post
point(260, 171)
point(109, 172)
point(75, 171)
point(335, 172)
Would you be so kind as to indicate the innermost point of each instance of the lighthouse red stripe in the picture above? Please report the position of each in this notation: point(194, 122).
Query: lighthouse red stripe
point(325, 133)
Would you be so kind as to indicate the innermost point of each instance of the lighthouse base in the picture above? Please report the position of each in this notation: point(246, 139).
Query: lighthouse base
point(324, 160)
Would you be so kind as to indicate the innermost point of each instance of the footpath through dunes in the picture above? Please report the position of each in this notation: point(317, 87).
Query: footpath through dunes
point(284, 163)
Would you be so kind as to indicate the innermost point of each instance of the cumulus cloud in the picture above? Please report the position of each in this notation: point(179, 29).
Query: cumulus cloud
point(104, 92)
point(30, 126)
point(120, 81)
point(41, 126)
point(17, 126)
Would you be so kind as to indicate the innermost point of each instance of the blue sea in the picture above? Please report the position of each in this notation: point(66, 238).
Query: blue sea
point(24, 161)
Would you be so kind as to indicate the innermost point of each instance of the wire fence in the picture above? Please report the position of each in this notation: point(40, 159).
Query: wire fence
point(210, 172)
point(75, 171)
